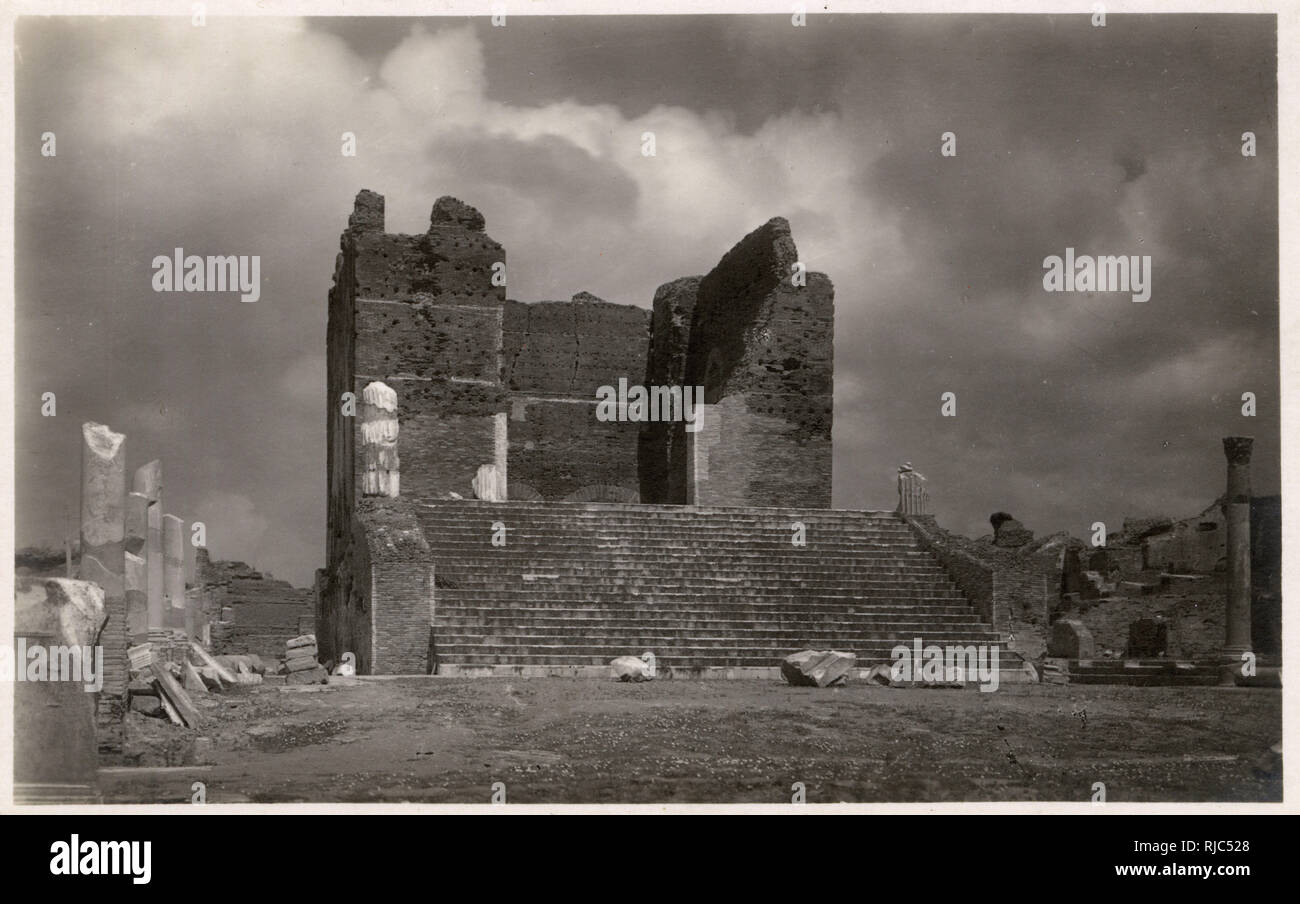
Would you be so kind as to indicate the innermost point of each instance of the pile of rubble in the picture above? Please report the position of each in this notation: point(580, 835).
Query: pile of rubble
point(166, 675)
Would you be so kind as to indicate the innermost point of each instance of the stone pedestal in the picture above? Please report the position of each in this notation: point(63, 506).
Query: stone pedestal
point(1236, 513)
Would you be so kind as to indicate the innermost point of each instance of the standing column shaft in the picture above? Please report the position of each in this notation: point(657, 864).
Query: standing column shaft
point(173, 544)
point(1236, 511)
point(148, 483)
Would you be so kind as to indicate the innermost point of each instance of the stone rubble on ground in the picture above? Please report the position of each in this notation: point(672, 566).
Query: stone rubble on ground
point(817, 668)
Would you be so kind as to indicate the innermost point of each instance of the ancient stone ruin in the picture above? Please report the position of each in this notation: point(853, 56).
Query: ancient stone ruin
point(474, 473)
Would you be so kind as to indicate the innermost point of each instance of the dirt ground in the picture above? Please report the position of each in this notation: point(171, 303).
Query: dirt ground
point(560, 740)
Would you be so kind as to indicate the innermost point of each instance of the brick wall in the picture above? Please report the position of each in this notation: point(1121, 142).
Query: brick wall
point(763, 349)
point(555, 356)
point(401, 589)
point(250, 612)
point(662, 447)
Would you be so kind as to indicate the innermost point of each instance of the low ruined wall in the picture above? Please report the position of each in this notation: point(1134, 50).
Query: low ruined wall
point(249, 612)
point(972, 576)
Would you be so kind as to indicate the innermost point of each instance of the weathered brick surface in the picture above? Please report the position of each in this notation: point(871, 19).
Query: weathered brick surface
point(555, 356)
point(448, 264)
point(424, 339)
point(247, 611)
point(763, 349)
point(420, 313)
point(558, 447)
point(662, 453)
point(401, 589)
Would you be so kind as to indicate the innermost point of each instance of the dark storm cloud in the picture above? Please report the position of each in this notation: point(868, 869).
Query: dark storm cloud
point(1071, 408)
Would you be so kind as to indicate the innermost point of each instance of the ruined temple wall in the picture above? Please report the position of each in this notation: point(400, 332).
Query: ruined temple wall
point(555, 356)
point(662, 446)
point(419, 313)
point(763, 348)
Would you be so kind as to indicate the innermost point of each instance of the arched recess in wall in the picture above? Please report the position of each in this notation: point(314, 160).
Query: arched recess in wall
point(601, 492)
point(518, 491)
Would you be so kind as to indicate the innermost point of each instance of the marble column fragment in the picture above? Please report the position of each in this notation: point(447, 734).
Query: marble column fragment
point(149, 483)
point(103, 532)
point(173, 545)
point(379, 429)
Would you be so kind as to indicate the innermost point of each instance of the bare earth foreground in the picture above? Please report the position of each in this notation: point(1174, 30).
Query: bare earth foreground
point(561, 740)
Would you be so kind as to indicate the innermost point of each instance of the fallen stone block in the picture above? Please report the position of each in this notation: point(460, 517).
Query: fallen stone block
point(882, 675)
point(193, 681)
point(141, 688)
point(300, 653)
point(211, 678)
point(632, 668)
point(299, 665)
point(317, 675)
point(302, 640)
point(252, 661)
point(1071, 639)
point(817, 668)
point(147, 706)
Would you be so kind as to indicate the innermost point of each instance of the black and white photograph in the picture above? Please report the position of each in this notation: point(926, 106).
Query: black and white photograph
point(494, 406)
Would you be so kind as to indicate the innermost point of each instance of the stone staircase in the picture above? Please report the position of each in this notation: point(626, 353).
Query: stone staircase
point(577, 584)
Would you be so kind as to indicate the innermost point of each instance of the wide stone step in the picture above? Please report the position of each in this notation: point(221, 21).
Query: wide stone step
point(633, 643)
point(671, 659)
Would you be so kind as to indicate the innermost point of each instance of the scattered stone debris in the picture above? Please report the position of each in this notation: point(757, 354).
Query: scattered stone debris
point(817, 668)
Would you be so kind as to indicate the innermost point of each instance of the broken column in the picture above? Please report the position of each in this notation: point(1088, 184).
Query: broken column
point(148, 483)
point(913, 498)
point(488, 484)
point(379, 428)
point(103, 507)
point(1236, 512)
point(103, 553)
point(173, 549)
point(137, 569)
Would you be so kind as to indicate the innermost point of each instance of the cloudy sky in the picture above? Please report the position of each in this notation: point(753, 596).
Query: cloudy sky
point(1071, 408)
